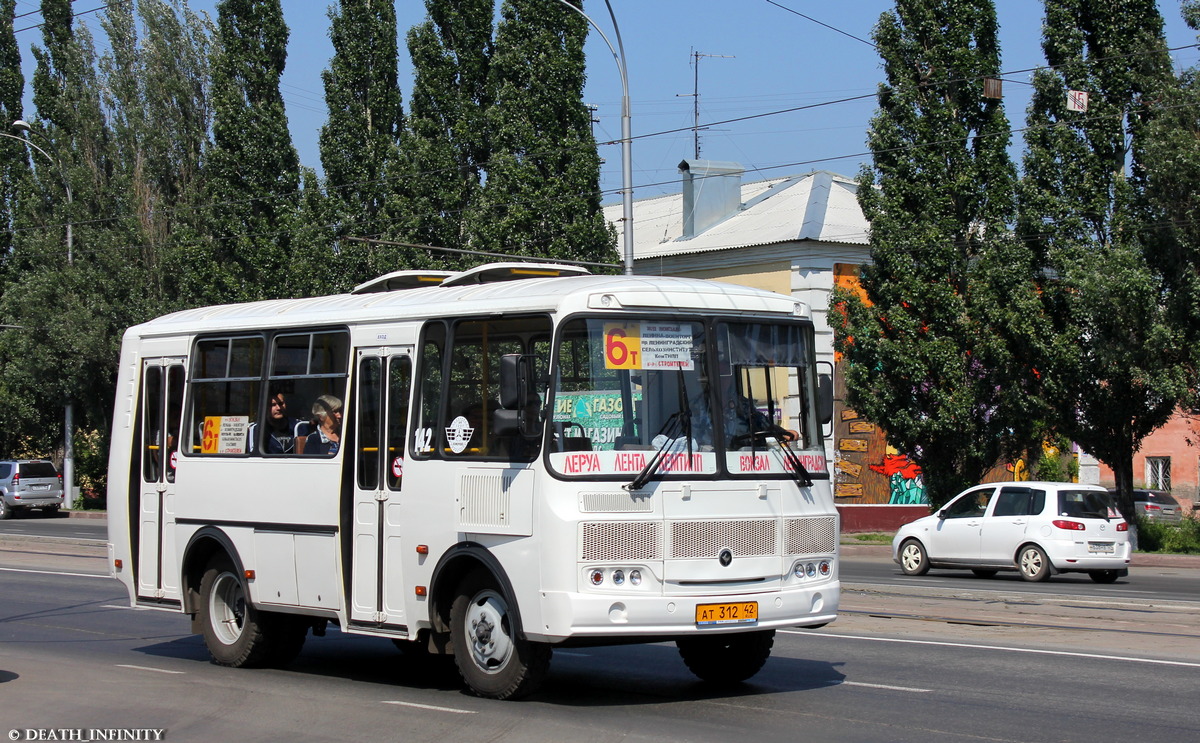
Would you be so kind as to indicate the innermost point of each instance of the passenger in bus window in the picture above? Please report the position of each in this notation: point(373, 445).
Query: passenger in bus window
point(281, 430)
point(326, 435)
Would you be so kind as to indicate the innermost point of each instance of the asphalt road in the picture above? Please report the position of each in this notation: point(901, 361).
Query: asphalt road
point(915, 663)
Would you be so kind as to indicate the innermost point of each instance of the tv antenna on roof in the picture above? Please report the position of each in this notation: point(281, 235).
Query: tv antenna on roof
point(695, 96)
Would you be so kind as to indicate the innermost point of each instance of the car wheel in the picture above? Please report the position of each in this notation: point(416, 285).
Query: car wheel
point(1033, 564)
point(984, 572)
point(1103, 576)
point(6, 512)
point(913, 560)
point(726, 659)
point(493, 661)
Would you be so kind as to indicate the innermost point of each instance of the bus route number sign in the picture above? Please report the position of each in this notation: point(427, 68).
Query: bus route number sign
point(648, 345)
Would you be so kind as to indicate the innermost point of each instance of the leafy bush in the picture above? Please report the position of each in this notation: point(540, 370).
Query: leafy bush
point(1174, 538)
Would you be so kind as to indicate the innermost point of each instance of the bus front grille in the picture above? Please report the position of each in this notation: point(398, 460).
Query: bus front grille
point(810, 536)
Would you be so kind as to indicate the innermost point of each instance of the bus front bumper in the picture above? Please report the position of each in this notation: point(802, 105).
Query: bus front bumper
point(583, 615)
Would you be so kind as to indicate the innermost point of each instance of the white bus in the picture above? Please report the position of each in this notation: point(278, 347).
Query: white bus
point(488, 464)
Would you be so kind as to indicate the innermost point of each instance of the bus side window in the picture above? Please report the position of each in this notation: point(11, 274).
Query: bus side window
point(225, 392)
point(425, 436)
point(399, 389)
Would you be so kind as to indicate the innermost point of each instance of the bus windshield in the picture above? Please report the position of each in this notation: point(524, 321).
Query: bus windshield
point(683, 397)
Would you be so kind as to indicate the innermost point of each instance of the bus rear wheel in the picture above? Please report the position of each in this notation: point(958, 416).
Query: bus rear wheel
point(492, 660)
point(727, 659)
point(233, 628)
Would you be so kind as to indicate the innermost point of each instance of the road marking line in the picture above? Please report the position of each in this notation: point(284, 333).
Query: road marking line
point(881, 686)
point(1035, 651)
point(148, 668)
point(434, 708)
point(56, 572)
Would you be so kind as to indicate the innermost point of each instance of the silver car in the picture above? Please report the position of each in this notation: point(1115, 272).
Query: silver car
point(29, 483)
point(1157, 505)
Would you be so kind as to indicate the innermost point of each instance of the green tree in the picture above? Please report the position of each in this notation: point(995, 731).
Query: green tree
point(541, 195)
point(360, 143)
point(252, 170)
point(929, 357)
point(1114, 354)
point(445, 143)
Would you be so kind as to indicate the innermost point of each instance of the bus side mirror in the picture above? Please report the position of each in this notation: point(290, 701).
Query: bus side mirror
point(513, 382)
point(824, 393)
point(518, 394)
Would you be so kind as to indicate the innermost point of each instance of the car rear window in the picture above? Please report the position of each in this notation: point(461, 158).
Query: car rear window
point(38, 469)
point(1086, 504)
point(1160, 498)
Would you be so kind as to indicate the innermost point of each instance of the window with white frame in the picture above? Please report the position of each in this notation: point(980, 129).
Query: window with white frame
point(1158, 473)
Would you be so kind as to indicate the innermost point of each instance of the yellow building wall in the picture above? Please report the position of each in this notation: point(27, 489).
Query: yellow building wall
point(774, 276)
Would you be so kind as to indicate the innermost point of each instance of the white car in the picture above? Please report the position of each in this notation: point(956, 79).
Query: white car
point(1037, 528)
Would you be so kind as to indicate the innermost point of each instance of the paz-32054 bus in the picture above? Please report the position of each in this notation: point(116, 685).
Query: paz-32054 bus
point(489, 463)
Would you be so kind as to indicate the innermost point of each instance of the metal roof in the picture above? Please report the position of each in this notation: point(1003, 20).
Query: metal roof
point(820, 206)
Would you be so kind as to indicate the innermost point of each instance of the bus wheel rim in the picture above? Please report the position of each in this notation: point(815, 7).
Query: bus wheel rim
point(227, 607)
point(487, 632)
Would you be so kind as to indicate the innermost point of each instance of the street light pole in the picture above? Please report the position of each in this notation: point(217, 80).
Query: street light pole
point(626, 129)
point(69, 414)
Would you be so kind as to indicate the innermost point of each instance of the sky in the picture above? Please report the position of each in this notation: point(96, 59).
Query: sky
point(762, 59)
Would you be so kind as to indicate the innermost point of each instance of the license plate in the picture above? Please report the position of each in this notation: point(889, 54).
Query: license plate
point(39, 487)
point(1106, 548)
point(742, 612)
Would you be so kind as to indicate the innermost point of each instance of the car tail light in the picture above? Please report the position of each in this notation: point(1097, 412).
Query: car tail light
point(1069, 525)
point(16, 478)
point(1153, 507)
point(1122, 526)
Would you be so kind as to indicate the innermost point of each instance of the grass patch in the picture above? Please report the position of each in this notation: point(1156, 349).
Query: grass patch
point(867, 538)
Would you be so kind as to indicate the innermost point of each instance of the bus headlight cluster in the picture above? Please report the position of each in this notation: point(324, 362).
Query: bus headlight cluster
point(802, 569)
point(615, 576)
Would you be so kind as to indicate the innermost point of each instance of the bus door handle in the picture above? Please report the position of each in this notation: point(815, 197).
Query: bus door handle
point(381, 495)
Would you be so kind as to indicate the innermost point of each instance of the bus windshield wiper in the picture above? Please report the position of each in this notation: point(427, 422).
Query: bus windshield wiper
point(803, 478)
point(667, 432)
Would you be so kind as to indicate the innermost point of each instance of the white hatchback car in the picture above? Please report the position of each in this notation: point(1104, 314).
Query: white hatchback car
point(1037, 528)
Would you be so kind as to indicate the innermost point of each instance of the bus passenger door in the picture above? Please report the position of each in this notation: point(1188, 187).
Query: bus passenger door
point(383, 390)
point(161, 408)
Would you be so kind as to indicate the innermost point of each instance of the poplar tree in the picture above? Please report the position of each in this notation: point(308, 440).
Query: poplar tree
point(541, 195)
point(1172, 214)
point(67, 252)
point(445, 144)
point(14, 157)
point(360, 143)
point(928, 356)
point(1115, 355)
point(253, 171)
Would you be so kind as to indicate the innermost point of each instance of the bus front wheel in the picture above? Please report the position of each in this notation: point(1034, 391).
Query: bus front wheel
point(493, 661)
point(727, 659)
point(233, 629)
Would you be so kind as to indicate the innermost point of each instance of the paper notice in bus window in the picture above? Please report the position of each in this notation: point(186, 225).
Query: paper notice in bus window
point(225, 434)
point(648, 345)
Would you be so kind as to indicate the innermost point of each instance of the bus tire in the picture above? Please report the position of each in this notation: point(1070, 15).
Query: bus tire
point(727, 658)
point(493, 662)
point(285, 635)
point(233, 629)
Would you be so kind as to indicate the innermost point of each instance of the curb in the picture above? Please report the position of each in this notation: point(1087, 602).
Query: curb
point(1140, 559)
